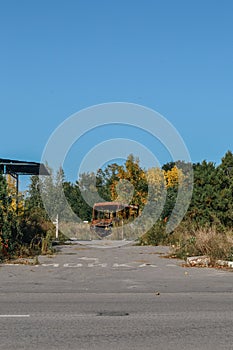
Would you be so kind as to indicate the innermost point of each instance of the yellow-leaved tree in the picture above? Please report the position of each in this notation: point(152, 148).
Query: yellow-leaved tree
point(12, 194)
point(174, 177)
point(131, 184)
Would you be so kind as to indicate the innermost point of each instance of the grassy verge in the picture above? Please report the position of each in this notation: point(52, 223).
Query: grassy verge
point(187, 241)
point(205, 241)
point(39, 245)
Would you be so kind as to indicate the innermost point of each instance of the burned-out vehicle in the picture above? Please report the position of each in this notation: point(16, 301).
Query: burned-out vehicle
point(109, 214)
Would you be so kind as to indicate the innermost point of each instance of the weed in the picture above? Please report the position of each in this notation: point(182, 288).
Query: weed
point(205, 241)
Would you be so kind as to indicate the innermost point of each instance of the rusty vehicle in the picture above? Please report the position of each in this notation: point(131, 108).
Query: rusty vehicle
point(106, 215)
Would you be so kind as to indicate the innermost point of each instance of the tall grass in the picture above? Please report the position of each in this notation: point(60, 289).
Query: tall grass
point(191, 240)
point(204, 241)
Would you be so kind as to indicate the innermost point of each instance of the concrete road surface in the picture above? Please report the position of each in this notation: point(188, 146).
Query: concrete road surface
point(123, 298)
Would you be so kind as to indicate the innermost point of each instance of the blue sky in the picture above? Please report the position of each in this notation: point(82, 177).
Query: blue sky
point(58, 57)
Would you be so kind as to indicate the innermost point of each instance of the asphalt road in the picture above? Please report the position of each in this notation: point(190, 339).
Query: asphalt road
point(119, 298)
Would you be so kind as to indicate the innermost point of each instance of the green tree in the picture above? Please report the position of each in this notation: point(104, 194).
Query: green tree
point(10, 234)
point(77, 202)
point(224, 205)
point(35, 222)
point(105, 179)
point(34, 199)
point(202, 210)
point(88, 194)
point(54, 196)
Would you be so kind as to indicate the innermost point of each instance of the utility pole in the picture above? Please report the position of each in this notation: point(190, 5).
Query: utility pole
point(122, 232)
point(56, 225)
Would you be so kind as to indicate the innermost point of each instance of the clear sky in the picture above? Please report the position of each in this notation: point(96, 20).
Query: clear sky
point(60, 56)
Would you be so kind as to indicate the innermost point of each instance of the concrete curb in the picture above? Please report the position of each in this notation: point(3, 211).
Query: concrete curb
point(225, 263)
point(203, 260)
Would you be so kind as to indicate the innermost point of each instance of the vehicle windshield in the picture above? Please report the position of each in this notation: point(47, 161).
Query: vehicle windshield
point(100, 214)
point(113, 212)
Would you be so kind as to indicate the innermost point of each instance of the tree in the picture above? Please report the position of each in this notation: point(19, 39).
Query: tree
point(34, 199)
point(60, 206)
point(175, 178)
point(54, 196)
point(224, 206)
point(88, 195)
point(9, 228)
point(202, 210)
point(77, 202)
point(156, 196)
point(35, 222)
point(136, 176)
point(105, 179)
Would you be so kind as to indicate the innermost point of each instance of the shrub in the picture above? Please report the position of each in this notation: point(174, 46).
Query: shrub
point(156, 235)
point(205, 241)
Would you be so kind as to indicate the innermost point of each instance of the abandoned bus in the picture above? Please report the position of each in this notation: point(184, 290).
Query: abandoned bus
point(108, 214)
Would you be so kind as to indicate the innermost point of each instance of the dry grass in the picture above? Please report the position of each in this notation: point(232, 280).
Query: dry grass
point(204, 241)
point(80, 231)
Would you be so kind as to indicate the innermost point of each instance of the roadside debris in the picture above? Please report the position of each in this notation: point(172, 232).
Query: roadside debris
point(225, 263)
point(198, 260)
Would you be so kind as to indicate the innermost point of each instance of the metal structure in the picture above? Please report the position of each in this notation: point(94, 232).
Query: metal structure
point(15, 168)
point(108, 214)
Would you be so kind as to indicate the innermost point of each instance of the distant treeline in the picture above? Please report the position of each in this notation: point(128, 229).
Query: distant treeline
point(211, 202)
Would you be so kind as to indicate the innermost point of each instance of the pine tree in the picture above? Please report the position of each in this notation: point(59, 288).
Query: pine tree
point(224, 206)
point(34, 199)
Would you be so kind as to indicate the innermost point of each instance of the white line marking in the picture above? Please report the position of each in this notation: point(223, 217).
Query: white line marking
point(47, 265)
point(98, 265)
point(121, 265)
point(144, 265)
point(85, 258)
point(72, 265)
point(11, 316)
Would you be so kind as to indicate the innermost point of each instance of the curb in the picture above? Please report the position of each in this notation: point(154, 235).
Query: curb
point(225, 263)
point(204, 260)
